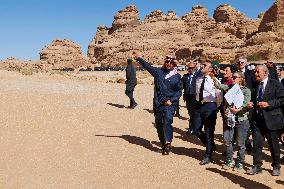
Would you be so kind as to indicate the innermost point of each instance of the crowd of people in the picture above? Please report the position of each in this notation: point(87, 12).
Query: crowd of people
point(250, 100)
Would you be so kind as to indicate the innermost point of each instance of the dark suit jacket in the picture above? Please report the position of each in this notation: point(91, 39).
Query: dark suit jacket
point(250, 79)
point(274, 95)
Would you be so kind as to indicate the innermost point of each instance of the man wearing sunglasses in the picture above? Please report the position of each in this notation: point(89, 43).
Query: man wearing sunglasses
point(167, 91)
point(205, 114)
point(188, 96)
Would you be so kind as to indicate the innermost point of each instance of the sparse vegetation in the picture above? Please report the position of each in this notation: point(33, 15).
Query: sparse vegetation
point(254, 57)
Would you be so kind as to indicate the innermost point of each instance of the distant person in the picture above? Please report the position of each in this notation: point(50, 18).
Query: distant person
point(267, 119)
point(188, 97)
point(167, 91)
point(272, 70)
point(131, 82)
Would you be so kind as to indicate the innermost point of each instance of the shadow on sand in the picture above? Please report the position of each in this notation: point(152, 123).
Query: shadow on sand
point(134, 140)
point(241, 181)
point(116, 105)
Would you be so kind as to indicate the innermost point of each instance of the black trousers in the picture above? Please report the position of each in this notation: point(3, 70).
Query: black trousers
point(129, 92)
point(259, 133)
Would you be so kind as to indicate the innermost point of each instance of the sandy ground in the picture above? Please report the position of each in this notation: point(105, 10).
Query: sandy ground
point(70, 133)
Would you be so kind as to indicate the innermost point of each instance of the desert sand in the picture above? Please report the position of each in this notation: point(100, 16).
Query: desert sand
point(65, 132)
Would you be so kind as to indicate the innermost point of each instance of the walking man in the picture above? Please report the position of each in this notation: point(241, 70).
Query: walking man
point(131, 82)
point(206, 110)
point(267, 119)
point(167, 91)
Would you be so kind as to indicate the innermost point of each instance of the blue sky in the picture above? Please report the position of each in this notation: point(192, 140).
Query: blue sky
point(28, 25)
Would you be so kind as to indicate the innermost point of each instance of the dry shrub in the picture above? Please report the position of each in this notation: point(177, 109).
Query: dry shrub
point(120, 80)
point(27, 71)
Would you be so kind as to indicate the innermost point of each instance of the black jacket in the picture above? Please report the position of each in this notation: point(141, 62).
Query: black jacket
point(250, 79)
point(274, 95)
point(131, 74)
point(164, 89)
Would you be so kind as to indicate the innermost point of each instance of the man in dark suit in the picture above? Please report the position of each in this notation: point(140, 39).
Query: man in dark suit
point(267, 119)
point(188, 97)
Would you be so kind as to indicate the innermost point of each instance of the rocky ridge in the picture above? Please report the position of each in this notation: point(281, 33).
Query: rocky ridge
point(192, 36)
point(224, 37)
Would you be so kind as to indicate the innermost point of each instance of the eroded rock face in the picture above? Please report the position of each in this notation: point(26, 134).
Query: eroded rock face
point(273, 19)
point(126, 17)
point(195, 34)
point(63, 54)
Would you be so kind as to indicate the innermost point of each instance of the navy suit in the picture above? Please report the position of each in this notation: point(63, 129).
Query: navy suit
point(164, 90)
point(188, 97)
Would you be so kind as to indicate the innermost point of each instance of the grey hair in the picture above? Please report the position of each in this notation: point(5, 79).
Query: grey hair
point(263, 67)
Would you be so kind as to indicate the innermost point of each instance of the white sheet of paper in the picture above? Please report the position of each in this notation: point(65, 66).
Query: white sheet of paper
point(235, 96)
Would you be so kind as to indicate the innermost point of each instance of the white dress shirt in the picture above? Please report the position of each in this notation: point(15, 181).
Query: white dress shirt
point(209, 91)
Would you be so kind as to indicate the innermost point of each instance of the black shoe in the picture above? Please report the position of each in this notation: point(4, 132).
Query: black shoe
point(166, 149)
point(276, 172)
point(254, 170)
point(134, 106)
point(205, 161)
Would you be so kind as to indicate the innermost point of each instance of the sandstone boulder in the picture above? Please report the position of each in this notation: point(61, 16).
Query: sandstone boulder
point(63, 54)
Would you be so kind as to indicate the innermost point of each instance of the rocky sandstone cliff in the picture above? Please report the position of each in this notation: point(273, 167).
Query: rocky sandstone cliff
point(227, 35)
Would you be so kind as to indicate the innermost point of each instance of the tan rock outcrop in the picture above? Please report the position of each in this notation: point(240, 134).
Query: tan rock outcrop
point(223, 37)
point(126, 17)
point(273, 19)
point(63, 54)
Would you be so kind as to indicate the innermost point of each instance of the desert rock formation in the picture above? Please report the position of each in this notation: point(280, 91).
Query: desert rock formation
point(227, 35)
point(63, 54)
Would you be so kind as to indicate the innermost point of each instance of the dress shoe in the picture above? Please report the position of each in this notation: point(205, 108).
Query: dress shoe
point(205, 161)
point(254, 170)
point(166, 149)
point(134, 106)
point(276, 172)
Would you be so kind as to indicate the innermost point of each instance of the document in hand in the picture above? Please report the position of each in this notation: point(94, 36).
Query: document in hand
point(235, 96)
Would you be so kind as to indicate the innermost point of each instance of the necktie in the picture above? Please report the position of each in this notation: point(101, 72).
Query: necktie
point(201, 90)
point(260, 92)
point(189, 84)
point(260, 97)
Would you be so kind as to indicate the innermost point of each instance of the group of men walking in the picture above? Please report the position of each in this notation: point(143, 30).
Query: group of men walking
point(260, 113)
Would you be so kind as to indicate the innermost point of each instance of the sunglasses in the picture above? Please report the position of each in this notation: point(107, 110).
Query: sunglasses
point(190, 68)
point(241, 62)
point(235, 77)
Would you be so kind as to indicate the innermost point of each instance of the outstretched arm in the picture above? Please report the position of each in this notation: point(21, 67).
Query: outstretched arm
point(152, 70)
